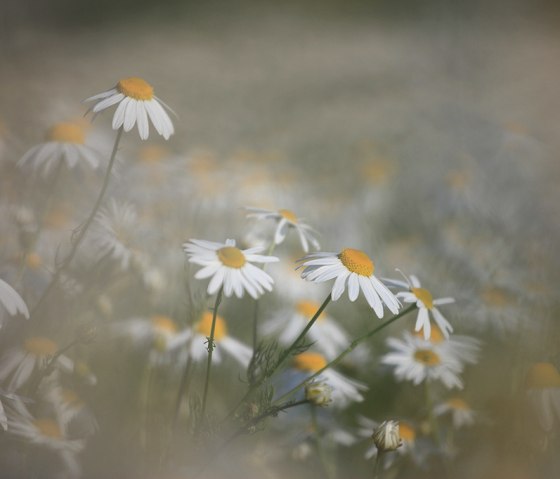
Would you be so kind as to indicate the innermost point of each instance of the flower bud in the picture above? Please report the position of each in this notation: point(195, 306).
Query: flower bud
point(387, 437)
point(318, 393)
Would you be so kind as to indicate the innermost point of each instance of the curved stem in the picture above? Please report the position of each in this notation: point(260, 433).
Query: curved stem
point(348, 350)
point(82, 230)
point(210, 351)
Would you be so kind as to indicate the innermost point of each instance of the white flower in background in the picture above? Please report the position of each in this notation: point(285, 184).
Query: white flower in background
point(45, 432)
point(196, 340)
point(18, 363)
point(352, 268)
point(543, 392)
point(230, 267)
point(465, 348)
point(116, 228)
point(65, 143)
point(287, 220)
point(344, 389)
point(327, 335)
point(418, 360)
point(155, 332)
point(11, 302)
point(461, 413)
point(136, 103)
point(386, 436)
point(425, 303)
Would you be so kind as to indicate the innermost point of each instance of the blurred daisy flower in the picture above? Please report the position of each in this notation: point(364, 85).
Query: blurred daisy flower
point(352, 268)
point(17, 364)
point(327, 335)
point(543, 392)
point(287, 220)
point(11, 302)
point(461, 413)
point(136, 103)
point(418, 360)
point(230, 267)
point(425, 303)
point(65, 143)
point(464, 348)
point(155, 332)
point(407, 435)
point(196, 340)
point(344, 389)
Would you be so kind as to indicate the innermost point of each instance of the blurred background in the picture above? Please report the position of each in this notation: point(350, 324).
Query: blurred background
point(426, 131)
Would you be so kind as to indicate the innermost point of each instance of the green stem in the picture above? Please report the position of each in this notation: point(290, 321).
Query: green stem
point(348, 350)
point(185, 380)
point(210, 352)
point(329, 473)
point(378, 465)
point(81, 230)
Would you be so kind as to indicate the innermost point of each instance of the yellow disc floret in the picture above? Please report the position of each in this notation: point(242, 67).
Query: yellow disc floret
point(356, 261)
point(496, 297)
point(424, 295)
point(542, 376)
point(288, 215)
point(407, 432)
point(231, 257)
point(308, 309)
point(436, 336)
point(427, 357)
point(67, 133)
point(163, 324)
point(136, 88)
point(458, 404)
point(48, 427)
point(40, 346)
point(204, 326)
point(311, 362)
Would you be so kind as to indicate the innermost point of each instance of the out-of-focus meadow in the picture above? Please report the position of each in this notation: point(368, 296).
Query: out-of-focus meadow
point(424, 135)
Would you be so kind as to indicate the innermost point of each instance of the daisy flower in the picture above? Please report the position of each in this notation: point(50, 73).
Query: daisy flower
point(11, 302)
point(286, 220)
point(196, 339)
point(418, 360)
point(327, 335)
point(461, 412)
point(18, 363)
point(230, 267)
point(136, 103)
point(543, 392)
point(464, 348)
point(65, 143)
point(407, 434)
point(425, 303)
point(344, 389)
point(45, 432)
point(350, 267)
point(155, 332)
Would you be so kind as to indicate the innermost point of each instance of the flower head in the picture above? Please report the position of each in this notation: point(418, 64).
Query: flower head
point(136, 103)
point(287, 220)
point(387, 437)
point(352, 268)
point(318, 393)
point(543, 392)
point(230, 267)
point(426, 305)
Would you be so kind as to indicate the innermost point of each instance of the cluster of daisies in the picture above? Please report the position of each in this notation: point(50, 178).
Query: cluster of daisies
point(73, 293)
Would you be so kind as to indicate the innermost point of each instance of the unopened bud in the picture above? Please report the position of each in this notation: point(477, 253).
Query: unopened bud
point(318, 393)
point(387, 437)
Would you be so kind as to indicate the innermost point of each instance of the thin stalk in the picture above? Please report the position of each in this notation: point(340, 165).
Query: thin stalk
point(378, 464)
point(330, 474)
point(185, 380)
point(348, 350)
point(81, 230)
point(210, 352)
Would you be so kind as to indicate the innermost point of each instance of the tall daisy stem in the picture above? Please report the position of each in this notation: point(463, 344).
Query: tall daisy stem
point(348, 350)
point(82, 230)
point(378, 465)
point(211, 346)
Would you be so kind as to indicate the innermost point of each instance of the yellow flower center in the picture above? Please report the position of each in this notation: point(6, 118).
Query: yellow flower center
point(289, 215)
point(163, 324)
point(81, 369)
point(356, 261)
point(459, 404)
point(436, 336)
point(494, 296)
point(33, 261)
point(308, 309)
point(458, 180)
point(136, 88)
point(71, 398)
point(407, 432)
point(48, 427)
point(542, 376)
point(311, 362)
point(204, 326)
point(378, 171)
point(427, 357)
point(40, 346)
point(424, 295)
point(231, 257)
point(67, 133)
point(153, 153)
